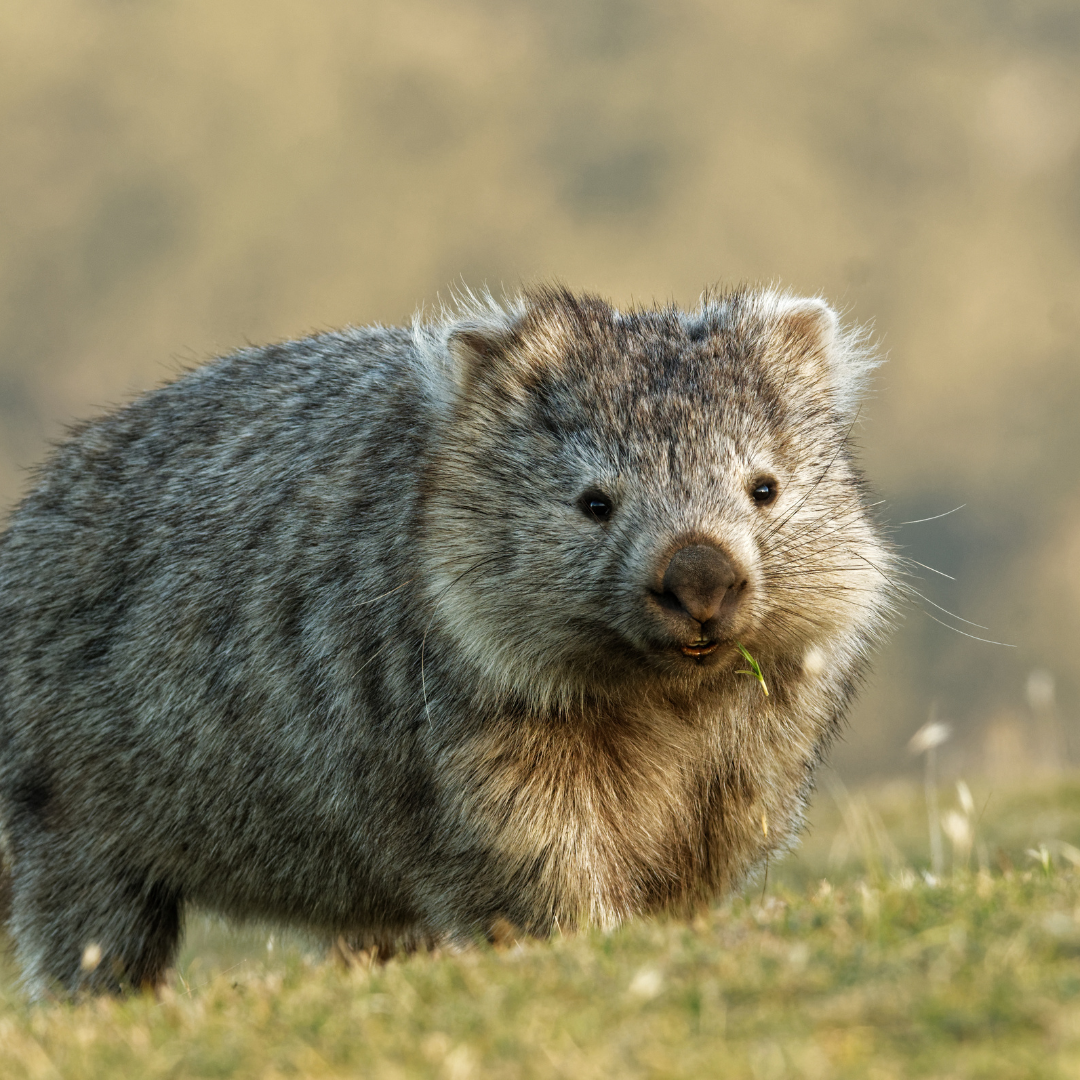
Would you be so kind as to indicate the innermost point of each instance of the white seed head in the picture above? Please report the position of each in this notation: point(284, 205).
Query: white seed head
point(929, 736)
point(91, 957)
point(647, 983)
point(957, 828)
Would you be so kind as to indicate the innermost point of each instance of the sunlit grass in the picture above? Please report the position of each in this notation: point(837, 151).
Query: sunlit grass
point(848, 962)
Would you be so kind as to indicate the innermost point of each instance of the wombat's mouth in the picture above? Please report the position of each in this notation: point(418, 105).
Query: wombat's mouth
point(700, 648)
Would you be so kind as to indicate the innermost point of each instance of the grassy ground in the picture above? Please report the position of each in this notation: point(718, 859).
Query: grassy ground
point(848, 962)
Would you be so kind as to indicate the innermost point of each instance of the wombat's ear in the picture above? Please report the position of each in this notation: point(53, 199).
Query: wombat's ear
point(808, 331)
point(480, 350)
point(819, 353)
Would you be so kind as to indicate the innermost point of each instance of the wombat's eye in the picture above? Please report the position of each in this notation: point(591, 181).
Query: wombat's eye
point(596, 505)
point(765, 491)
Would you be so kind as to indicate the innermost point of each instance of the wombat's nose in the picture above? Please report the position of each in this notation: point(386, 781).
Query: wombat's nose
point(699, 579)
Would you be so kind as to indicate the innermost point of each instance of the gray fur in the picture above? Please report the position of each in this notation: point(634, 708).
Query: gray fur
point(320, 632)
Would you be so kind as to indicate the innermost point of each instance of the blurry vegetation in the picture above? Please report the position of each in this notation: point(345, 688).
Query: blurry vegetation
point(182, 178)
point(850, 961)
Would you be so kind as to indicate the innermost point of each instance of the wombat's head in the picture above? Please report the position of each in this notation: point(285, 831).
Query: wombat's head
point(620, 499)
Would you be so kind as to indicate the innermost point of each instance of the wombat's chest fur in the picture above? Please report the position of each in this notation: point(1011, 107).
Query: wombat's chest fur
point(409, 634)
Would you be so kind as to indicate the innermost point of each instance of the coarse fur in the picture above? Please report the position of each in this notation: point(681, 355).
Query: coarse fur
point(387, 633)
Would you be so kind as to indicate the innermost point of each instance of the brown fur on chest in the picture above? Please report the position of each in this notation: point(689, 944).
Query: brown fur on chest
point(605, 817)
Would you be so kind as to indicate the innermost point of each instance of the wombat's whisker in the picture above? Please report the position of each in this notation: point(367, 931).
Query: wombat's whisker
point(836, 589)
point(876, 566)
point(932, 570)
point(936, 517)
point(389, 592)
point(957, 630)
point(946, 611)
point(810, 571)
point(832, 461)
point(816, 534)
point(373, 657)
point(824, 521)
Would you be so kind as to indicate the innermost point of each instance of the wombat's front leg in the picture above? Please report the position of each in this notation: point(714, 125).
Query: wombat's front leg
point(85, 924)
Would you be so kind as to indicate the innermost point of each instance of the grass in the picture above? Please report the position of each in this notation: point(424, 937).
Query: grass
point(848, 963)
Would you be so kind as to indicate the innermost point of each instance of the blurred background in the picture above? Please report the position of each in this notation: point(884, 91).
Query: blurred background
point(179, 179)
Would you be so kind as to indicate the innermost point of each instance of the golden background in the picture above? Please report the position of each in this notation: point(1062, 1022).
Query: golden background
point(182, 178)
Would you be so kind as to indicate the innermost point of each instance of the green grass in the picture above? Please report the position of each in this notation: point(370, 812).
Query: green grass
point(848, 963)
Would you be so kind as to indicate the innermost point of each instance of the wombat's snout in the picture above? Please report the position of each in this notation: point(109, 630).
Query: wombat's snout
point(700, 592)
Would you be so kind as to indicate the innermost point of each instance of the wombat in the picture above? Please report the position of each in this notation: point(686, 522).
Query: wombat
point(408, 634)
